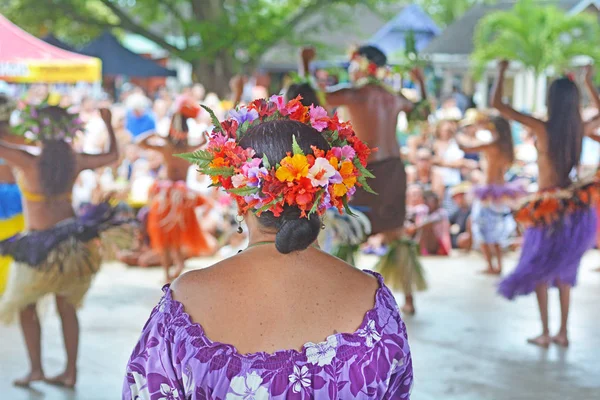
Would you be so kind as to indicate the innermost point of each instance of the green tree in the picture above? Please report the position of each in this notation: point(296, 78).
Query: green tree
point(218, 37)
point(542, 38)
point(445, 12)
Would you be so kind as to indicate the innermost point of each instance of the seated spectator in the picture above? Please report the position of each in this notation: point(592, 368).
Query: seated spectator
point(460, 221)
point(425, 174)
point(139, 119)
point(435, 229)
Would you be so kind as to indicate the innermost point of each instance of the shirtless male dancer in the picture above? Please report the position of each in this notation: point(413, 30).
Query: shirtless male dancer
point(373, 110)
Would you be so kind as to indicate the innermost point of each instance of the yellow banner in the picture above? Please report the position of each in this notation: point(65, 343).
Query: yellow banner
point(52, 71)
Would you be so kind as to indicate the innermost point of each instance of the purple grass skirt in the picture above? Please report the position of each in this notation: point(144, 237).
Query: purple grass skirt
point(552, 253)
point(497, 193)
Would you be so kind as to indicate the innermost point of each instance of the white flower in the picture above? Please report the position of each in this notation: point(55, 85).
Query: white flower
point(139, 390)
point(238, 180)
point(396, 364)
point(320, 172)
point(370, 333)
point(188, 381)
point(300, 378)
point(168, 392)
point(247, 388)
point(321, 353)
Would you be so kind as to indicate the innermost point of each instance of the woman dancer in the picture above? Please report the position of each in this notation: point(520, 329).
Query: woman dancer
point(560, 224)
point(58, 254)
point(172, 222)
point(492, 221)
point(282, 170)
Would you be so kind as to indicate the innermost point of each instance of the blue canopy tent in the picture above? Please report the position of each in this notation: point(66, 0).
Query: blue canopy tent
point(391, 37)
point(117, 60)
point(56, 42)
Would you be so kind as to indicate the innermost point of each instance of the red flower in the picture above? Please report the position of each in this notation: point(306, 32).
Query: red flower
point(372, 69)
point(230, 128)
point(300, 193)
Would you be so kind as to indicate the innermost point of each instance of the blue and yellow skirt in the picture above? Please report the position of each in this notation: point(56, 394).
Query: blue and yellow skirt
point(11, 223)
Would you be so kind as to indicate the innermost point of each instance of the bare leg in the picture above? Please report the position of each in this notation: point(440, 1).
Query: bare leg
point(70, 327)
point(179, 261)
point(487, 254)
point(498, 253)
point(165, 260)
point(409, 305)
point(543, 340)
point(32, 332)
point(562, 338)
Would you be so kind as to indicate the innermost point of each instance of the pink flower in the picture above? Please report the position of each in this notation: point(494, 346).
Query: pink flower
point(344, 153)
point(280, 103)
point(320, 172)
point(318, 118)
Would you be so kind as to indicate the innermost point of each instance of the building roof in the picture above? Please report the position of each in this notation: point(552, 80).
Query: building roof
point(358, 23)
point(391, 37)
point(457, 39)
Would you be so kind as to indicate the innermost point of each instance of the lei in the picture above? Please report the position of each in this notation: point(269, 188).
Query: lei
point(312, 182)
point(36, 125)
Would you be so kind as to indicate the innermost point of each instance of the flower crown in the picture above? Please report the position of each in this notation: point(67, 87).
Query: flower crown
point(187, 109)
point(368, 67)
point(311, 182)
point(35, 126)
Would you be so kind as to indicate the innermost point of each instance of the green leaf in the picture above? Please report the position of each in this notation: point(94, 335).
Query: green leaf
point(221, 171)
point(347, 207)
point(201, 158)
point(244, 191)
point(214, 119)
point(295, 147)
point(265, 162)
point(269, 205)
point(365, 172)
point(366, 186)
point(317, 200)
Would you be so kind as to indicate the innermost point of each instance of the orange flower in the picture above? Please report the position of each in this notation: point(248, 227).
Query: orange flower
point(219, 162)
point(292, 168)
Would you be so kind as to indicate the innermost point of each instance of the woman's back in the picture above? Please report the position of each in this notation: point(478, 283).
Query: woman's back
point(272, 326)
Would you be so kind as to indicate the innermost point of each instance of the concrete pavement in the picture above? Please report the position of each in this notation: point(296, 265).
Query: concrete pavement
point(467, 343)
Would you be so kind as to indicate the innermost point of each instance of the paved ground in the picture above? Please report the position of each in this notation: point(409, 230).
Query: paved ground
point(467, 343)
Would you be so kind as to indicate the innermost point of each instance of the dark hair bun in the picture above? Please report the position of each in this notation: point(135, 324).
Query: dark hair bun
point(296, 234)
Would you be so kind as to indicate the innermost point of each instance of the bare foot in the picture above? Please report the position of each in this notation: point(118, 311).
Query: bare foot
point(408, 309)
point(33, 376)
point(561, 339)
point(66, 380)
point(488, 271)
point(542, 341)
point(497, 272)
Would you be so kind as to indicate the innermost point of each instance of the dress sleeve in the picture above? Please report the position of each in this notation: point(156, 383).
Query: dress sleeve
point(152, 370)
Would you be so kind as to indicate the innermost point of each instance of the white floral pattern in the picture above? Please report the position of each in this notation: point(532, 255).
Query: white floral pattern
point(168, 392)
point(321, 354)
point(139, 390)
point(299, 378)
point(247, 388)
point(370, 333)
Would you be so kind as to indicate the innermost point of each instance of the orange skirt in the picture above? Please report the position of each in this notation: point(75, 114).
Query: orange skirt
point(172, 221)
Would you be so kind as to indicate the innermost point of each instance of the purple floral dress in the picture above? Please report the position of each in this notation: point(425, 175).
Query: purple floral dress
point(175, 360)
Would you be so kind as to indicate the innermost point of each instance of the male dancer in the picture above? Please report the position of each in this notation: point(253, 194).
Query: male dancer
point(373, 109)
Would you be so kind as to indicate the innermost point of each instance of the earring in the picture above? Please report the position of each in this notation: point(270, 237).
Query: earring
point(239, 219)
point(323, 223)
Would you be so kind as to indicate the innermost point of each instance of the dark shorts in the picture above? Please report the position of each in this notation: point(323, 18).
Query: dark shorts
point(387, 209)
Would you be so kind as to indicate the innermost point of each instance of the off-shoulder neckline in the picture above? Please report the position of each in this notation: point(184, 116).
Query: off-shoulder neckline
point(282, 356)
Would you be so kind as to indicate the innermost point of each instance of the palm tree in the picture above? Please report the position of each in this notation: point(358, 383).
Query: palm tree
point(542, 38)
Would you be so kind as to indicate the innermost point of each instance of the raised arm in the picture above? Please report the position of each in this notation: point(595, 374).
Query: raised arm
point(236, 84)
point(476, 148)
point(589, 84)
point(417, 76)
point(507, 111)
point(143, 141)
point(93, 161)
point(307, 54)
point(15, 155)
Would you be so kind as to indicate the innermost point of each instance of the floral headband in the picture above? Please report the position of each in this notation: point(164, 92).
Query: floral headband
point(312, 182)
point(35, 127)
point(372, 70)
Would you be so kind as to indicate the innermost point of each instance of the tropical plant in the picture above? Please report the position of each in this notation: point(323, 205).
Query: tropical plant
point(445, 12)
point(543, 38)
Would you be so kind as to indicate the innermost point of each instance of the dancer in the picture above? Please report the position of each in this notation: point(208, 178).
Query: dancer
point(172, 222)
point(279, 162)
point(492, 221)
point(58, 254)
point(560, 224)
point(373, 108)
point(11, 211)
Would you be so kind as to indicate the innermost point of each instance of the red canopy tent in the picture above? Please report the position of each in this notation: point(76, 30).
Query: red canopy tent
point(27, 59)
